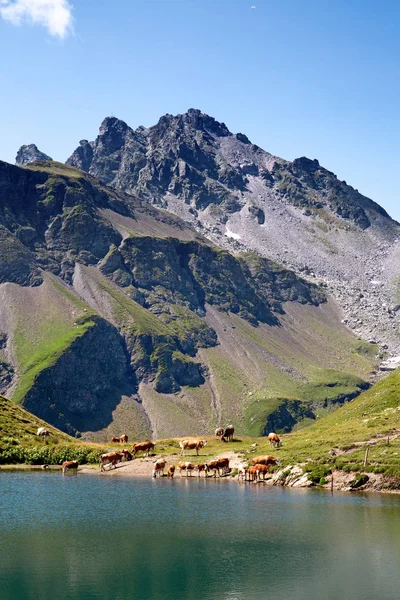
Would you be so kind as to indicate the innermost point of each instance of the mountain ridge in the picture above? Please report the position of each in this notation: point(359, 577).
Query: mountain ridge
point(245, 199)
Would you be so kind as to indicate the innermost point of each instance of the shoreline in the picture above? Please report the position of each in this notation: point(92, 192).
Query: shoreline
point(142, 469)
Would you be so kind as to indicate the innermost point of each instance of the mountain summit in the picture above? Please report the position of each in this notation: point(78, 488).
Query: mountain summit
point(244, 198)
point(28, 154)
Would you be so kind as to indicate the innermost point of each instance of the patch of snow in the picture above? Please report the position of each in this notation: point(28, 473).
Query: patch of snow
point(232, 235)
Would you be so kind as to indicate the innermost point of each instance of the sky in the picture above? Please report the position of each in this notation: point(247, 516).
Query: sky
point(316, 78)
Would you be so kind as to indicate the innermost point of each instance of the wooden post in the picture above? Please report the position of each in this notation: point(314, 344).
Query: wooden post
point(366, 457)
point(388, 439)
point(332, 484)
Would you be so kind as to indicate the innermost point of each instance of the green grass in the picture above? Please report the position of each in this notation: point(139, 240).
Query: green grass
point(56, 169)
point(60, 318)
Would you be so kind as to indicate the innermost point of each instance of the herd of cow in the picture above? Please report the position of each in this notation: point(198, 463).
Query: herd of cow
point(259, 467)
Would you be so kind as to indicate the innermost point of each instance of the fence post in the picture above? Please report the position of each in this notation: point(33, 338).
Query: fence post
point(366, 457)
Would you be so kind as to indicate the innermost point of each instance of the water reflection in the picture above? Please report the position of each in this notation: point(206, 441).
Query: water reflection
point(100, 538)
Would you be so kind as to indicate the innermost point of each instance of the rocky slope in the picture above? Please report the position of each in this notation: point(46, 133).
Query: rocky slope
point(243, 198)
point(118, 316)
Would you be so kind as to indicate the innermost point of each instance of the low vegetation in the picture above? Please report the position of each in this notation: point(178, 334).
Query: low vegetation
point(335, 443)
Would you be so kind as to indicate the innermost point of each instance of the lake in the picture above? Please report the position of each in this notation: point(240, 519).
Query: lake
point(92, 537)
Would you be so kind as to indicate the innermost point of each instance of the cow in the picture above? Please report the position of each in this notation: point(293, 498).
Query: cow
point(43, 432)
point(186, 466)
point(126, 454)
point(212, 466)
point(109, 458)
point(228, 434)
point(69, 465)
point(192, 445)
point(274, 440)
point(261, 470)
point(265, 460)
point(171, 471)
point(143, 447)
point(219, 432)
point(242, 471)
point(123, 439)
point(201, 468)
point(115, 440)
point(159, 467)
point(217, 465)
point(252, 473)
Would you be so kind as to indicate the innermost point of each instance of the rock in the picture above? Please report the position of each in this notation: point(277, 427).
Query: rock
point(28, 154)
point(359, 481)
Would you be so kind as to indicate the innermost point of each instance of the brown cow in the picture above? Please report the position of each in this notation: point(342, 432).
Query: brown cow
point(109, 458)
point(262, 470)
point(219, 432)
point(251, 473)
point(274, 440)
point(217, 465)
point(159, 467)
point(69, 465)
point(228, 434)
point(171, 471)
point(115, 440)
point(265, 460)
point(192, 445)
point(186, 466)
point(201, 468)
point(123, 439)
point(143, 447)
point(126, 454)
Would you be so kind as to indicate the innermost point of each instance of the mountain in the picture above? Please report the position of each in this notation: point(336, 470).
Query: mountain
point(118, 316)
point(243, 198)
point(28, 154)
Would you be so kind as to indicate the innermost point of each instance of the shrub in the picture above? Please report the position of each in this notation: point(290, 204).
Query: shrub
point(317, 472)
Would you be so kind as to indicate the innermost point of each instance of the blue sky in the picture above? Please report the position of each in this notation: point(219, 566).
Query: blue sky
point(299, 77)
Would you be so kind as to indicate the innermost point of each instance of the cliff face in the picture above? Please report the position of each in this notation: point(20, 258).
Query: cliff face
point(106, 304)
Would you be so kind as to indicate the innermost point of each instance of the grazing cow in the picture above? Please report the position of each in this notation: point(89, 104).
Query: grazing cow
point(192, 445)
point(219, 432)
point(69, 465)
point(274, 440)
point(143, 447)
point(186, 466)
point(201, 468)
point(43, 432)
point(109, 458)
point(265, 460)
point(123, 439)
point(228, 434)
point(262, 470)
point(159, 467)
point(115, 440)
point(126, 454)
point(171, 471)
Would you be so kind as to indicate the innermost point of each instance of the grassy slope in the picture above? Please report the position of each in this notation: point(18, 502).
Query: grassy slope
point(255, 367)
point(45, 322)
point(372, 416)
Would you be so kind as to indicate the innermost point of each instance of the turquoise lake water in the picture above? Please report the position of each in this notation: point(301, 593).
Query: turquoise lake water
point(100, 538)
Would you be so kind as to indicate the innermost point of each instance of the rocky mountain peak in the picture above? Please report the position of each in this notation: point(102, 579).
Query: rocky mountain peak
point(244, 198)
point(28, 154)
